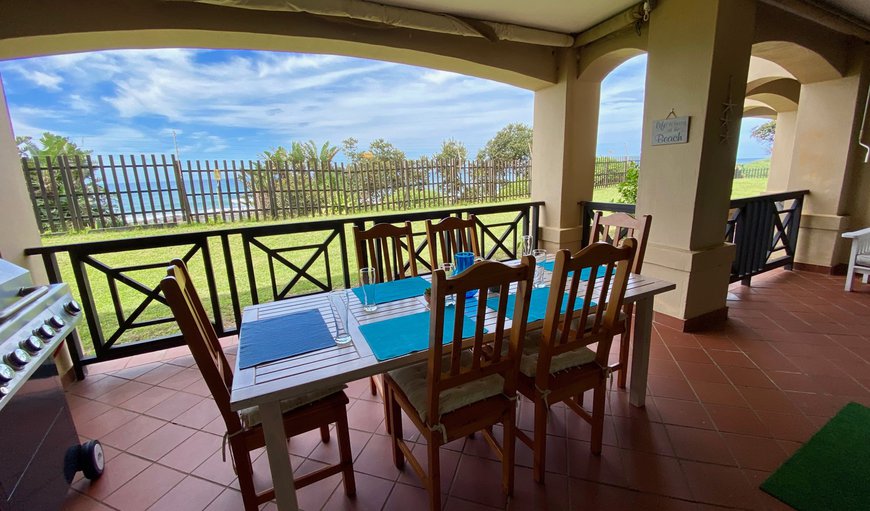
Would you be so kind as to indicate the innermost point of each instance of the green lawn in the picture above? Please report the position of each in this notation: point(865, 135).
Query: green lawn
point(741, 188)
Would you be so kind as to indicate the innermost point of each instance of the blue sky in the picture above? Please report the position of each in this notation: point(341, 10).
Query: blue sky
point(230, 104)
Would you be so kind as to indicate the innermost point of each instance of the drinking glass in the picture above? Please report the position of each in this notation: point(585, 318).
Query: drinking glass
point(540, 258)
point(527, 244)
point(449, 270)
point(341, 305)
point(367, 280)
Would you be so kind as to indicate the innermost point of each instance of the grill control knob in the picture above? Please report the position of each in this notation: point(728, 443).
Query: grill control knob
point(56, 322)
point(32, 345)
point(45, 331)
point(72, 307)
point(6, 373)
point(3, 392)
point(18, 359)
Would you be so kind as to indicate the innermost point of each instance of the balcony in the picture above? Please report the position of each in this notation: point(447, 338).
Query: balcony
point(727, 406)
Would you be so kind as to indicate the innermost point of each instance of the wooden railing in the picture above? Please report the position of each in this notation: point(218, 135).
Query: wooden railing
point(117, 281)
point(764, 230)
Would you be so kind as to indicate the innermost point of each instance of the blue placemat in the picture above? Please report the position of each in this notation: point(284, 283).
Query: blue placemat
point(584, 273)
point(537, 304)
point(396, 290)
point(272, 339)
point(399, 336)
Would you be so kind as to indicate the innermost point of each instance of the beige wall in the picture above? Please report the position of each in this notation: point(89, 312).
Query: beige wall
point(18, 227)
point(697, 62)
point(780, 156)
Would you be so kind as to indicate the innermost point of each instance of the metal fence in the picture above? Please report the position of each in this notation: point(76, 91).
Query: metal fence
point(763, 228)
point(75, 193)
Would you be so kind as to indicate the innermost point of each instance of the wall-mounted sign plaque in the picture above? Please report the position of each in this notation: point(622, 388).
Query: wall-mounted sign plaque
point(674, 130)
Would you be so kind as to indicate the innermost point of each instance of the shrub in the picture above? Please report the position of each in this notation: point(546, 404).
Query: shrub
point(628, 188)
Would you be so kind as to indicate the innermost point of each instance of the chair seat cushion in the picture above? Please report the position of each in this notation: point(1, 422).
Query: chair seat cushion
point(863, 260)
point(250, 417)
point(568, 360)
point(412, 381)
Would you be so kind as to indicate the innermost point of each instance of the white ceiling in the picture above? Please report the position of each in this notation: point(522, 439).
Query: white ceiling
point(857, 8)
point(568, 16)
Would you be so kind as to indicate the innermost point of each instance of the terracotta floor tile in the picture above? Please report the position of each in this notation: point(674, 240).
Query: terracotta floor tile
point(119, 470)
point(159, 443)
point(716, 484)
point(479, 480)
point(792, 381)
point(675, 388)
point(96, 387)
point(376, 459)
point(449, 462)
point(404, 498)
point(607, 468)
point(228, 500)
point(731, 358)
point(371, 495)
point(529, 495)
point(768, 400)
point(591, 495)
point(699, 445)
point(105, 423)
point(174, 405)
point(191, 494)
point(215, 469)
point(365, 415)
point(702, 372)
point(754, 452)
point(145, 400)
point(683, 413)
point(697, 355)
point(199, 415)
point(130, 433)
point(736, 420)
point(84, 409)
point(315, 495)
point(145, 489)
point(75, 501)
point(192, 452)
point(328, 453)
point(655, 474)
point(457, 504)
point(133, 370)
point(718, 394)
point(641, 435)
point(159, 374)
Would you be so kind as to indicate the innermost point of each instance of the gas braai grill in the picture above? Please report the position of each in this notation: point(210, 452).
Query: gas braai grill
point(34, 321)
point(39, 449)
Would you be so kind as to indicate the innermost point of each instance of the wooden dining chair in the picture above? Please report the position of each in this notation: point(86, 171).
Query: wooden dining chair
point(387, 248)
point(449, 236)
point(457, 391)
point(613, 229)
point(244, 429)
point(557, 365)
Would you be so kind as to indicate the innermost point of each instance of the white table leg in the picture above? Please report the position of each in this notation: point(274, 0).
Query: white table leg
point(643, 315)
point(279, 458)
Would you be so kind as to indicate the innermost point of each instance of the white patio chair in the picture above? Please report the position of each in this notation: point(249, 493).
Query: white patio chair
point(859, 259)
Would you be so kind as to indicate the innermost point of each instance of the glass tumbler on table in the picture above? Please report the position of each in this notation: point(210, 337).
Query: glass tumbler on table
point(540, 258)
point(449, 270)
point(528, 246)
point(341, 305)
point(367, 280)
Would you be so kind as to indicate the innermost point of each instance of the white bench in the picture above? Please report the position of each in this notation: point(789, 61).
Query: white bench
point(859, 259)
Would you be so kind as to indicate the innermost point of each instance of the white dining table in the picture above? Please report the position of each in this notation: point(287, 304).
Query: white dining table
point(266, 385)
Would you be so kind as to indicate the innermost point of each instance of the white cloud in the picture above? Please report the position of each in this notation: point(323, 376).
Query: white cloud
point(45, 80)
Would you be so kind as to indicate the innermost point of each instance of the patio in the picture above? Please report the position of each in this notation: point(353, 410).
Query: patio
point(727, 406)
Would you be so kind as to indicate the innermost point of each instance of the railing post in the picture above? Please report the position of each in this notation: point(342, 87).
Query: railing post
point(74, 344)
point(69, 186)
point(585, 223)
point(794, 228)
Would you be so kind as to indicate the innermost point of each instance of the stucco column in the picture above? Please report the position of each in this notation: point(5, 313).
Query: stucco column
point(697, 66)
point(823, 162)
point(18, 229)
point(563, 152)
point(780, 156)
